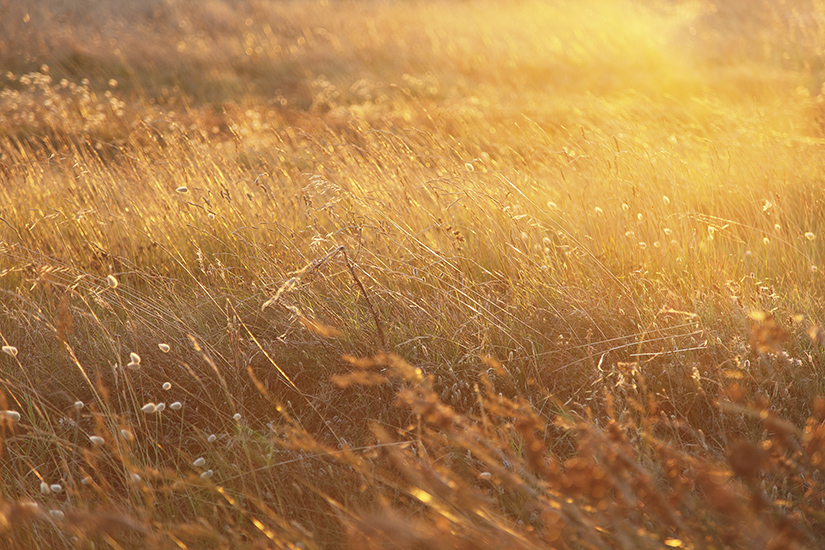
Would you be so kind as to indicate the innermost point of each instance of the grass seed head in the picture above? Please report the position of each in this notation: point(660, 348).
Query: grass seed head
point(176, 406)
point(212, 438)
point(160, 407)
point(810, 236)
point(127, 435)
point(182, 189)
point(56, 488)
point(134, 357)
point(237, 417)
point(10, 350)
point(149, 408)
point(57, 515)
point(97, 440)
point(167, 386)
point(78, 405)
point(14, 416)
point(111, 281)
point(44, 488)
point(199, 462)
point(207, 474)
point(164, 348)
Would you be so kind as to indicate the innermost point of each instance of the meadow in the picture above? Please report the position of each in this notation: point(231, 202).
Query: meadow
point(412, 274)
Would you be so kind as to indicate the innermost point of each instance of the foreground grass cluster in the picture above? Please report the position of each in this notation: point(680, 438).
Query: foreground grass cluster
point(412, 275)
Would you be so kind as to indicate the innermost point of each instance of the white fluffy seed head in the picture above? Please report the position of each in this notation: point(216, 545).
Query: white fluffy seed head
point(134, 358)
point(97, 440)
point(56, 487)
point(44, 488)
point(134, 478)
point(127, 435)
point(78, 405)
point(167, 386)
point(14, 416)
point(111, 281)
point(57, 515)
point(149, 408)
point(10, 350)
point(237, 417)
point(176, 406)
point(164, 348)
point(212, 438)
point(160, 407)
point(810, 236)
point(485, 475)
point(199, 462)
point(207, 474)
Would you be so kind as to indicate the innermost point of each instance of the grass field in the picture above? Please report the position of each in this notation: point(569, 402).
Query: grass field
point(412, 274)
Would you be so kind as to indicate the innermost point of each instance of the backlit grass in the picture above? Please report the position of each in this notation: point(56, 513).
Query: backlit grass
point(411, 274)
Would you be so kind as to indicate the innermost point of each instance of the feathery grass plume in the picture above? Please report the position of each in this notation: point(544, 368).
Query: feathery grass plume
point(199, 462)
point(164, 347)
point(111, 280)
point(149, 408)
point(176, 406)
point(10, 350)
point(167, 386)
point(97, 440)
point(14, 416)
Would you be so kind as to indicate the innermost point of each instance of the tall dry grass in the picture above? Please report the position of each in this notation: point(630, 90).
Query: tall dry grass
point(432, 274)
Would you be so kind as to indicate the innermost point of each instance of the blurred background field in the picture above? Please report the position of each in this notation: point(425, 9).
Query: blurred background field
point(425, 274)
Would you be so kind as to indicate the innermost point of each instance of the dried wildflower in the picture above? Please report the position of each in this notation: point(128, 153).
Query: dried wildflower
point(212, 438)
point(149, 408)
point(14, 416)
point(810, 236)
point(97, 440)
point(176, 406)
point(111, 281)
point(167, 386)
point(199, 462)
point(10, 350)
point(207, 474)
point(164, 348)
